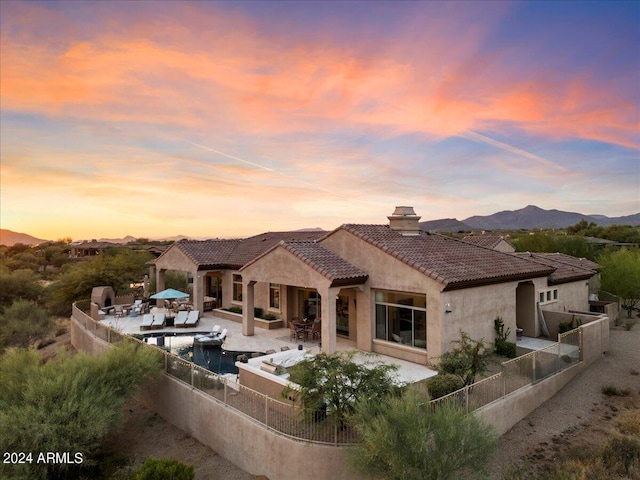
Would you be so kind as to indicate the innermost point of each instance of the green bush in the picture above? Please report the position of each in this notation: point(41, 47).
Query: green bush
point(67, 405)
point(163, 469)
point(270, 316)
point(613, 391)
point(621, 449)
point(234, 309)
point(443, 384)
point(628, 324)
point(258, 312)
point(404, 438)
point(23, 323)
point(506, 349)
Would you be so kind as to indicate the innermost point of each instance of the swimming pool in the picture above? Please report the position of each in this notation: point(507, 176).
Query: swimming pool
point(212, 357)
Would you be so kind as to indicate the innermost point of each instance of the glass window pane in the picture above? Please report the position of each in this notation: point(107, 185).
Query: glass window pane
point(381, 322)
point(419, 329)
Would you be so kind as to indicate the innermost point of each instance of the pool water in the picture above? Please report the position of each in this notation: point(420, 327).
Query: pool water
point(212, 357)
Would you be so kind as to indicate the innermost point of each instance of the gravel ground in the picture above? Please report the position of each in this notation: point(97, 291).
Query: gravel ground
point(579, 413)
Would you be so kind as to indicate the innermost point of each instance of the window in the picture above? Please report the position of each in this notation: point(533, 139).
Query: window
point(274, 296)
point(237, 288)
point(548, 296)
point(401, 318)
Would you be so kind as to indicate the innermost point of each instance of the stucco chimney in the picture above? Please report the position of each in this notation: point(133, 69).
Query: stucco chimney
point(405, 221)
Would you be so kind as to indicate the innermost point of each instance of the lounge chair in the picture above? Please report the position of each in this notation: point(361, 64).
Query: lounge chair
point(223, 334)
point(181, 319)
point(147, 322)
point(215, 330)
point(159, 320)
point(193, 319)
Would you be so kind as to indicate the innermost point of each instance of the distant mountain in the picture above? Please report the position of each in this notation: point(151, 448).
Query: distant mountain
point(9, 238)
point(445, 225)
point(535, 217)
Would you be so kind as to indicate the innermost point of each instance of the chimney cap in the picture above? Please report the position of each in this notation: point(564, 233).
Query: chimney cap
point(404, 211)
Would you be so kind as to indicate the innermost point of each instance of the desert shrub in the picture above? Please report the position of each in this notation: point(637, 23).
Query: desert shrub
point(506, 349)
point(628, 324)
point(404, 438)
point(629, 423)
point(468, 359)
point(613, 391)
point(443, 384)
point(165, 468)
point(23, 323)
point(623, 450)
point(65, 406)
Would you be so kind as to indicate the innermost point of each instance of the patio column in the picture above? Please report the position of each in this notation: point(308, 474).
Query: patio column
point(198, 291)
point(247, 307)
point(160, 284)
point(328, 329)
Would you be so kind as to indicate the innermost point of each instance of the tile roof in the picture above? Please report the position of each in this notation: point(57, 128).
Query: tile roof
point(329, 264)
point(567, 268)
point(208, 254)
point(488, 241)
point(252, 247)
point(454, 263)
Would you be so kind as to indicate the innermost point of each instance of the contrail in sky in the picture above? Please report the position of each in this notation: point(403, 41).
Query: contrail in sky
point(511, 149)
point(271, 170)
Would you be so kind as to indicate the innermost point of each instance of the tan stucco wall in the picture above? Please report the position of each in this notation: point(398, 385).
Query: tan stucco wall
point(571, 296)
point(239, 439)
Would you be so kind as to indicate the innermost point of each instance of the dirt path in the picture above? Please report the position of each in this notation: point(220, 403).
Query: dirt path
point(579, 415)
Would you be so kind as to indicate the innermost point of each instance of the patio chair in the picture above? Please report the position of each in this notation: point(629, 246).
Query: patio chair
point(181, 319)
point(215, 330)
point(193, 318)
point(147, 321)
point(315, 330)
point(271, 351)
point(296, 333)
point(284, 349)
point(159, 320)
point(223, 334)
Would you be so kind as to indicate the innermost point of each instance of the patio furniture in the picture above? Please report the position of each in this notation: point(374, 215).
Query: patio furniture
point(159, 320)
point(147, 321)
point(284, 349)
point(193, 318)
point(270, 351)
point(296, 332)
point(215, 330)
point(315, 330)
point(181, 319)
point(223, 334)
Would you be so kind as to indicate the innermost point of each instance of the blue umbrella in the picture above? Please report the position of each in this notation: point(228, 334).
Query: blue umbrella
point(169, 294)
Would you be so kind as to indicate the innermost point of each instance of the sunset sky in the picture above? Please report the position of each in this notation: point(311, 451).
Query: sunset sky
point(217, 119)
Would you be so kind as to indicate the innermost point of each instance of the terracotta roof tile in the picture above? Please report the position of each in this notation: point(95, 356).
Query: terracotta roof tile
point(329, 264)
point(487, 241)
point(252, 247)
point(207, 253)
point(450, 261)
point(567, 268)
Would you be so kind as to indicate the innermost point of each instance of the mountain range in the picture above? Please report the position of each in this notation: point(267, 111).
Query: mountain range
point(529, 217)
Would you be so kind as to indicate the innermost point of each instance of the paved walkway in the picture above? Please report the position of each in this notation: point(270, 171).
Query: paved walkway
point(261, 341)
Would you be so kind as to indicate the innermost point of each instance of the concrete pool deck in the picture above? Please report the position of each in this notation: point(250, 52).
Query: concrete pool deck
point(264, 340)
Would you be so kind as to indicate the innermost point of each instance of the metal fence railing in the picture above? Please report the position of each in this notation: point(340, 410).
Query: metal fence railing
point(316, 426)
point(519, 372)
point(310, 425)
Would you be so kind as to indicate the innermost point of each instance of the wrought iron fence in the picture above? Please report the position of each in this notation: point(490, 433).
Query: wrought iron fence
point(310, 425)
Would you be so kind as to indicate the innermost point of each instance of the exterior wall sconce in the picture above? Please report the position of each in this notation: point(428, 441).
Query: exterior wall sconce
point(447, 308)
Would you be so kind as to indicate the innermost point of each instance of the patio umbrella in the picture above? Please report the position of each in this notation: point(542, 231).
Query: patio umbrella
point(169, 294)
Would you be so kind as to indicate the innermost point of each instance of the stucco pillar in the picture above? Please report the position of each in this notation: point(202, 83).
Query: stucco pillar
point(247, 307)
point(160, 284)
point(328, 329)
point(198, 291)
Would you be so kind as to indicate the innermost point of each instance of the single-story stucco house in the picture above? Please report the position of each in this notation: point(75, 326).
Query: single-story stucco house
point(391, 288)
